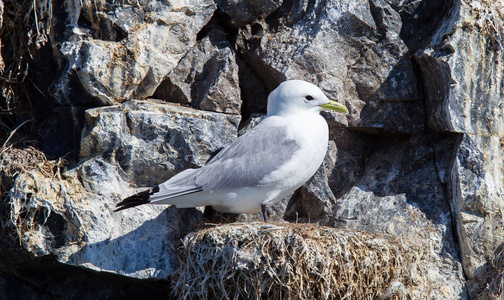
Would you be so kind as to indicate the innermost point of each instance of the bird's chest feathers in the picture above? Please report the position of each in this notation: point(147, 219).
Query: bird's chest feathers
point(310, 131)
point(311, 134)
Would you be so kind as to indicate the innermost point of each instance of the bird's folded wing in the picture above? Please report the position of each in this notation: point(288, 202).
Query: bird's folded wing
point(249, 159)
point(179, 185)
point(244, 163)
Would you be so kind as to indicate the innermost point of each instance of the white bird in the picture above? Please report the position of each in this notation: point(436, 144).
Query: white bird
point(261, 167)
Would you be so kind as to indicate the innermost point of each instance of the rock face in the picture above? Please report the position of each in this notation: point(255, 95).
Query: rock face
point(473, 108)
point(206, 78)
point(125, 51)
point(144, 89)
point(151, 141)
point(89, 233)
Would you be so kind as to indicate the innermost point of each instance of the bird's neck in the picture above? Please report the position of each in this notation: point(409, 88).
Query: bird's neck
point(294, 111)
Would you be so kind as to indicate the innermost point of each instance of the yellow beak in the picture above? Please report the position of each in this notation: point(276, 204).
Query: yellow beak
point(336, 106)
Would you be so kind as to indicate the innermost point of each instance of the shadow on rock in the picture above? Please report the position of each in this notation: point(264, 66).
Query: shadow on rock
point(401, 171)
point(148, 251)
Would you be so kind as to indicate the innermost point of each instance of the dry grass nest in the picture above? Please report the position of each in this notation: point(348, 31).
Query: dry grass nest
point(14, 161)
point(35, 195)
point(292, 261)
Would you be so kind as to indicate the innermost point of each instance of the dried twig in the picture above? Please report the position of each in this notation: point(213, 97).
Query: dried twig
point(12, 133)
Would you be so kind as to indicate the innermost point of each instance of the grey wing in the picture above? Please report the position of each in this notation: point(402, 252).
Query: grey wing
point(248, 159)
point(178, 185)
point(242, 164)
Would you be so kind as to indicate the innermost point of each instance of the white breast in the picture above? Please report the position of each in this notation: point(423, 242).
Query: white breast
point(311, 132)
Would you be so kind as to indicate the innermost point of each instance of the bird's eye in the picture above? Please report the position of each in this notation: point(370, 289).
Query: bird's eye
point(309, 98)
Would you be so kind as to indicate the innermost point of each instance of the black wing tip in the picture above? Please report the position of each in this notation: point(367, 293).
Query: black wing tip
point(137, 199)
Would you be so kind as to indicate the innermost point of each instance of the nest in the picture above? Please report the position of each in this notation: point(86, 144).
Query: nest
point(292, 261)
point(40, 193)
point(14, 161)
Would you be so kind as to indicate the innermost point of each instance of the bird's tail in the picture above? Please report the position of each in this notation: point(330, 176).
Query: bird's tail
point(137, 199)
point(165, 193)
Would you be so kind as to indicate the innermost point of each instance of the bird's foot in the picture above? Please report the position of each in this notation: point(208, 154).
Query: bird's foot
point(265, 212)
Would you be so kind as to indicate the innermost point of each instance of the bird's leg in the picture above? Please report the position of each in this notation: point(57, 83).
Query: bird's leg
point(211, 215)
point(265, 212)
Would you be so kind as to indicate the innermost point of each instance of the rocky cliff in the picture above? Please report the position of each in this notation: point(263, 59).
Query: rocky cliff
point(101, 98)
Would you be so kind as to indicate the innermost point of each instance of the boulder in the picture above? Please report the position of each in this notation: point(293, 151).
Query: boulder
point(206, 77)
point(469, 41)
point(155, 38)
point(243, 12)
point(151, 141)
point(60, 218)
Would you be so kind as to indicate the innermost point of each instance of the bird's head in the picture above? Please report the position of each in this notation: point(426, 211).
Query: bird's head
point(296, 96)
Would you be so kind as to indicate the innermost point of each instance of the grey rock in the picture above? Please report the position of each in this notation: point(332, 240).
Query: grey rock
point(243, 12)
point(385, 72)
point(409, 117)
point(159, 35)
point(393, 197)
point(150, 141)
point(458, 102)
point(206, 77)
point(386, 14)
point(367, 60)
point(61, 218)
point(476, 199)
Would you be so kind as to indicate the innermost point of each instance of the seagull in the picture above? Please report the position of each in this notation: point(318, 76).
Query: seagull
point(262, 166)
